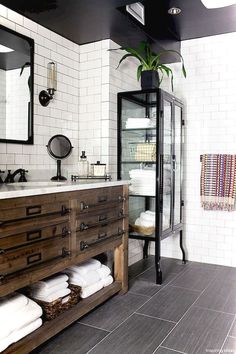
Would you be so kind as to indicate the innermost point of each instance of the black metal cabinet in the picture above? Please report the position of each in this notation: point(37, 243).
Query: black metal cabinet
point(150, 153)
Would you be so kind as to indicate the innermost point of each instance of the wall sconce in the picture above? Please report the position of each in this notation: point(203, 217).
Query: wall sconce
point(46, 96)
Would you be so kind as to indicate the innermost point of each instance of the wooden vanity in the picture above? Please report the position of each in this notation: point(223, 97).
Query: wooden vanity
point(41, 235)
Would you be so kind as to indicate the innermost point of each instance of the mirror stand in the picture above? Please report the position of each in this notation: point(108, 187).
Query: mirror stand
point(58, 177)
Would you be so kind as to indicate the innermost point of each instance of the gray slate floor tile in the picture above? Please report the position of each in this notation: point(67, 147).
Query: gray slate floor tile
point(138, 335)
point(170, 303)
point(143, 287)
point(140, 266)
point(109, 315)
point(233, 330)
point(76, 339)
point(150, 276)
point(162, 350)
point(229, 346)
point(199, 331)
point(221, 294)
point(196, 278)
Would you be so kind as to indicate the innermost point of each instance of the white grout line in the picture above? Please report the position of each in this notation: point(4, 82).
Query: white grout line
point(88, 325)
point(206, 308)
point(156, 318)
point(175, 351)
point(227, 335)
point(181, 287)
point(132, 292)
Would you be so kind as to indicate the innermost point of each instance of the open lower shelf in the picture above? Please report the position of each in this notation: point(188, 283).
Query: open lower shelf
point(51, 328)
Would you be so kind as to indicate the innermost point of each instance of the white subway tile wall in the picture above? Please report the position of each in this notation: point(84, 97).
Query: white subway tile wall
point(210, 109)
point(61, 116)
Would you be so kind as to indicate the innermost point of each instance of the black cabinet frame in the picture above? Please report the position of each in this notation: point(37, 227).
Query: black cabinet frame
point(142, 98)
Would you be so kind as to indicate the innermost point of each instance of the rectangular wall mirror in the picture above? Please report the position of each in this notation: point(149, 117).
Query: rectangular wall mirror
point(16, 87)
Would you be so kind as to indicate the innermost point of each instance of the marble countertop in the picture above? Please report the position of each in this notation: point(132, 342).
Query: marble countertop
point(15, 190)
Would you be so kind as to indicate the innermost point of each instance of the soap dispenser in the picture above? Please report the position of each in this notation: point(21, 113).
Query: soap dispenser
point(83, 165)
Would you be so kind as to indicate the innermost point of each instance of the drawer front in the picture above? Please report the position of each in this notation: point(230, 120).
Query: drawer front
point(100, 198)
point(89, 238)
point(34, 235)
point(103, 217)
point(9, 216)
point(12, 261)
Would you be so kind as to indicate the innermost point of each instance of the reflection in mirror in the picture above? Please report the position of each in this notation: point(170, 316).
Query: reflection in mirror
point(16, 87)
point(59, 147)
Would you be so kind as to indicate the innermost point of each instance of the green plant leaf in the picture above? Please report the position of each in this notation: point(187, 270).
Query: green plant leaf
point(139, 70)
point(123, 58)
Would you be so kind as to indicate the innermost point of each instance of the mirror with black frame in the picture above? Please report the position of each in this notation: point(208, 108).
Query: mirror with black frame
point(16, 87)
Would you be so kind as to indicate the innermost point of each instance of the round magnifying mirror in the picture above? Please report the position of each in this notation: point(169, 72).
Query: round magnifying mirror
point(59, 147)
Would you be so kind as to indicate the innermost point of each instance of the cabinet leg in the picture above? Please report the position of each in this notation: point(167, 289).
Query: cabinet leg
point(121, 264)
point(145, 249)
point(182, 247)
point(158, 272)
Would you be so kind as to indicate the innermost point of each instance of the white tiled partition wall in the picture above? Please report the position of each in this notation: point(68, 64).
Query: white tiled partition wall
point(61, 115)
point(210, 115)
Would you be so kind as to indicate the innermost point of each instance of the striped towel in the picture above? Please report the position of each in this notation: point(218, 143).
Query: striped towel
point(218, 182)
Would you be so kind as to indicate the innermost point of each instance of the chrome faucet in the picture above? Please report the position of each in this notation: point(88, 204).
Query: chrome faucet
point(10, 176)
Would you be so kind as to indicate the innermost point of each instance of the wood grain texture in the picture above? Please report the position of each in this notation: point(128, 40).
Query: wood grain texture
point(200, 330)
point(139, 335)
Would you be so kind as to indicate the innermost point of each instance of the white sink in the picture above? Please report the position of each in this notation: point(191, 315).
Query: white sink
point(36, 184)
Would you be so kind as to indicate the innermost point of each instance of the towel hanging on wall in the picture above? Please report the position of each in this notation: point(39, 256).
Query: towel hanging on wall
point(218, 182)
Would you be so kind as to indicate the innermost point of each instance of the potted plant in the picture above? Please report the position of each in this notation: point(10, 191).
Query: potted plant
point(150, 65)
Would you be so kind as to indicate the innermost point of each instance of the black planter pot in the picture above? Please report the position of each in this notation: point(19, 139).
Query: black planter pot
point(149, 79)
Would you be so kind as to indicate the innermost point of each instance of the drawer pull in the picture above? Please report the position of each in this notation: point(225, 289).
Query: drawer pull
point(65, 210)
point(102, 235)
point(33, 210)
point(34, 258)
point(34, 235)
point(102, 199)
point(65, 232)
point(83, 245)
point(83, 226)
point(2, 251)
point(102, 217)
point(121, 198)
point(65, 252)
point(83, 206)
point(121, 213)
point(2, 278)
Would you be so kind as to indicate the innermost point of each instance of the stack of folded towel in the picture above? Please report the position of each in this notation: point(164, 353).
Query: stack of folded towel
point(91, 276)
point(50, 289)
point(143, 181)
point(135, 123)
point(146, 219)
point(19, 317)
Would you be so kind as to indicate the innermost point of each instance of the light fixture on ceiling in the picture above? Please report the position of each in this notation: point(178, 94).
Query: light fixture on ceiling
point(4, 49)
point(137, 11)
point(213, 4)
point(46, 96)
point(174, 11)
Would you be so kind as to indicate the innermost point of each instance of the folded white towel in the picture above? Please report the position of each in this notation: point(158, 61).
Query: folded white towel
point(104, 271)
point(19, 334)
point(54, 296)
point(48, 291)
point(21, 318)
point(107, 281)
point(50, 282)
point(83, 281)
point(12, 303)
point(85, 267)
point(147, 217)
point(90, 290)
point(31, 327)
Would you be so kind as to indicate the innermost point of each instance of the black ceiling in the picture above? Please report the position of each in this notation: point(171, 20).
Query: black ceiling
point(84, 21)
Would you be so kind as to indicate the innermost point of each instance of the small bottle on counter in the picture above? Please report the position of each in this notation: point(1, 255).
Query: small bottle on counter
point(83, 165)
point(98, 169)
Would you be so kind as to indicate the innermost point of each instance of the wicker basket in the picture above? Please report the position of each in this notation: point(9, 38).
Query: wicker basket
point(53, 309)
point(143, 151)
point(147, 231)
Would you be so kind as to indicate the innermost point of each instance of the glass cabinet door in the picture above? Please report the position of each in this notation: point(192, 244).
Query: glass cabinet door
point(177, 164)
point(167, 160)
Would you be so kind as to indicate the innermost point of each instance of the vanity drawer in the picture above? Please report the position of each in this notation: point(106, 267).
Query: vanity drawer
point(21, 258)
point(97, 199)
point(89, 238)
point(12, 215)
point(101, 218)
point(35, 235)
